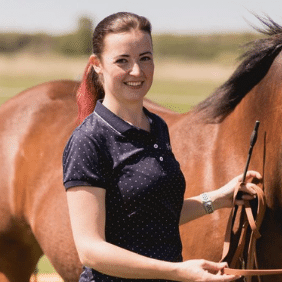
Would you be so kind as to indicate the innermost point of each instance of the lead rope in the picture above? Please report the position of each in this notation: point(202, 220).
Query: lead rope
point(254, 224)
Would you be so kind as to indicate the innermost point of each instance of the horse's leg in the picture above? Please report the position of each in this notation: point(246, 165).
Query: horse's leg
point(19, 251)
point(18, 258)
point(51, 226)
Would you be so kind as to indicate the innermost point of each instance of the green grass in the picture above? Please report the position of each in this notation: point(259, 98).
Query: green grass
point(19, 81)
point(44, 266)
point(180, 96)
point(11, 86)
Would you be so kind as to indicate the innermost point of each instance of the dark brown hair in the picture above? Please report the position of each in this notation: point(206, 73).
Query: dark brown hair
point(91, 89)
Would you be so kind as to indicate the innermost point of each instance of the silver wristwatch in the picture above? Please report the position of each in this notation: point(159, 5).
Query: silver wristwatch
point(207, 203)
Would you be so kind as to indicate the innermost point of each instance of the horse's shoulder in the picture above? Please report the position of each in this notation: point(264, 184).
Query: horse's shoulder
point(55, 100)
point(57, 89)
point(42, 94)
point(47, 103)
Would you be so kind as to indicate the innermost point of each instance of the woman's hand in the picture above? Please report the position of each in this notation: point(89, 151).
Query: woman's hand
point(203, 270)
point(225, 194)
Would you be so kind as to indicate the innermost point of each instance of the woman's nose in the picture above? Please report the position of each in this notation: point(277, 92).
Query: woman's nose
point(135, 70)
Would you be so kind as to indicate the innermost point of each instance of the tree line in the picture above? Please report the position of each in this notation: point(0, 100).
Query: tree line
point(79, 42)
point(75, 43)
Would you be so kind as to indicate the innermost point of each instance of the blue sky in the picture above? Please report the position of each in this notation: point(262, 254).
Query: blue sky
point(177, 16)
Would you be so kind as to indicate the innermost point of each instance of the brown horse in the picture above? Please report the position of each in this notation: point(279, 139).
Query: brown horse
point(211, 143)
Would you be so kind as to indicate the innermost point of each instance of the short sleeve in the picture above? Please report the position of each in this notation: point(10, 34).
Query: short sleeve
point(84, 162)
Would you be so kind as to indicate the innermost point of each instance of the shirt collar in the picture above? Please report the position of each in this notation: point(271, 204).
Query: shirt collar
point(116, 122)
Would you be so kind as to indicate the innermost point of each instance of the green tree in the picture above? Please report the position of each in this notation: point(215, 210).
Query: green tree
point(84, 35)
point(78, 42)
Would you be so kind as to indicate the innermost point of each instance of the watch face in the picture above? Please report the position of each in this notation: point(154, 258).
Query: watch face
point(208, 207)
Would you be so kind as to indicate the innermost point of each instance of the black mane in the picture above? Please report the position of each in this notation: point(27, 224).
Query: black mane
point(256, 63)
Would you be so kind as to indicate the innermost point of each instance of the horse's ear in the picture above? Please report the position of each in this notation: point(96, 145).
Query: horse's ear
point(85, 95)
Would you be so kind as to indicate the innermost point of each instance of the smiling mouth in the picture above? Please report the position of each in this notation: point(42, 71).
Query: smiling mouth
point(134, 83)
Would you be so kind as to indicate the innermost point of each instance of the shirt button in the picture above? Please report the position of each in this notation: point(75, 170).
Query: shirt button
point(161, 159)
point(156, 146)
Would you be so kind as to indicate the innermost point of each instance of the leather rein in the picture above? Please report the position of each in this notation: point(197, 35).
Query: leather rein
point(241, 263)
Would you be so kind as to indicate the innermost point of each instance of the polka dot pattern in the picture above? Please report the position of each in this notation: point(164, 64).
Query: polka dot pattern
point(143, 181)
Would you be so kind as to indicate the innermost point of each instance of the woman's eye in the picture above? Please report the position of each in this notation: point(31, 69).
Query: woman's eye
point(121, 61)
point(146, 58)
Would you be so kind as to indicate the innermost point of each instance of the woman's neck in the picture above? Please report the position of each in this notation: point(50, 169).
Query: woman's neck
point(130, 112)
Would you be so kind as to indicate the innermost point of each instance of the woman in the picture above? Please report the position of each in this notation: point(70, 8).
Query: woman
point(124, 187)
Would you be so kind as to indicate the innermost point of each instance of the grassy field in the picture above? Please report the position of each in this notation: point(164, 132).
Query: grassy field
point(177, 85)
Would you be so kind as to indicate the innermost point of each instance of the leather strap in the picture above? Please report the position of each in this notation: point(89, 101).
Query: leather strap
point(251, 272)
point(254, 224)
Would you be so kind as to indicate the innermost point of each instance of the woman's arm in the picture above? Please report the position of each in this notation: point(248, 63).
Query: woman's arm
point(221, 198)
point(87, 215)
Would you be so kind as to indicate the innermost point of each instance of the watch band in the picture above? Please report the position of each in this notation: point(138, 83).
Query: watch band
point(207, 203)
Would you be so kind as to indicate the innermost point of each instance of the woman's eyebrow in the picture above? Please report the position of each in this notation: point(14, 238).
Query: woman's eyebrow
point(142, 54)
point(145, 53)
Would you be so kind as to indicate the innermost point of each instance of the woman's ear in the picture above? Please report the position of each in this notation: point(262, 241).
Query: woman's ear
point(95, 62)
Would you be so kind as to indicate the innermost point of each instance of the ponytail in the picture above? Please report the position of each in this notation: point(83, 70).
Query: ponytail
point(88, 93)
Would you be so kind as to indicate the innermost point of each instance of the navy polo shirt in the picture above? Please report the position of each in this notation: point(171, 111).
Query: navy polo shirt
point(143, 181)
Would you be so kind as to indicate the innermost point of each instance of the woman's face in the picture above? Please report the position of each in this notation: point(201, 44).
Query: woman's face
point(126, 66)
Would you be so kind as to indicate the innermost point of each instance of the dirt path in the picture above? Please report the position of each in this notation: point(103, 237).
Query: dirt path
point(195, 71)
point(55, 67)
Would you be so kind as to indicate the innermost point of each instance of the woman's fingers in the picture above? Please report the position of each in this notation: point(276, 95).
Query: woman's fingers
point(214, 266)
point(248, 192)
point(251, 174)
point(217, 268)
point(249, 188)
